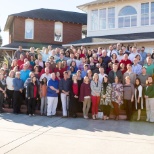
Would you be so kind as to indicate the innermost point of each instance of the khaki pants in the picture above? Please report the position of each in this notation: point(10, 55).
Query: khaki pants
point(86, 106)
point(150, 109)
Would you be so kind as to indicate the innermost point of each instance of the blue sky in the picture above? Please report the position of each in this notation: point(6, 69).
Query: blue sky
point(8, 7)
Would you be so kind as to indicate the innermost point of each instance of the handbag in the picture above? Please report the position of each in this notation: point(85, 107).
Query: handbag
point(100, 115)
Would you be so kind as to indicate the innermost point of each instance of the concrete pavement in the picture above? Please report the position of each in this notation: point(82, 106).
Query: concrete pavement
point(21, 134)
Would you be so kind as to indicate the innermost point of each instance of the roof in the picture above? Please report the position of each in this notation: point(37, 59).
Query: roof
point(25, 45)
point(50, 14)
point(109, 39)
point(84, 7)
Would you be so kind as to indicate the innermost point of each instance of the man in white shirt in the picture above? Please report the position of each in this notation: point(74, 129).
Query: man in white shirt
point(72, 59)
point(111, 51)
point(46, 74)
point(101, 74)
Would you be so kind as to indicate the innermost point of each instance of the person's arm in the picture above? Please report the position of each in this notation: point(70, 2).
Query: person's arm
point(28, 90)
point(140, 93)
point(132, 92)
point(15, 55)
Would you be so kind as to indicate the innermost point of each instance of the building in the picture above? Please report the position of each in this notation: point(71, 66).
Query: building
point(119, 21)
point(42, 27)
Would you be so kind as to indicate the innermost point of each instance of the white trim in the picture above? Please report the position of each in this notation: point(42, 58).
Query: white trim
point(111, 42)
point(7, 48)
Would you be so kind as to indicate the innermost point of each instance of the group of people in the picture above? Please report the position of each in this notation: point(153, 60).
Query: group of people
point(76, 79)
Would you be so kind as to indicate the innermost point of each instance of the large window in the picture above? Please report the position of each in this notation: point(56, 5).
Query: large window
point(144, 14)
point(102, 19)
point(152, 13)
point(58, 32)
point(127, 17)
point(94, 20)
point(111, 17)
point(29, 29)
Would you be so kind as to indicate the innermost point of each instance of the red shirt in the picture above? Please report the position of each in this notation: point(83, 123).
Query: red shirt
point(61, 71)
point(35, 91)
point(125, 62)
point(20, 62)
point(75, 89)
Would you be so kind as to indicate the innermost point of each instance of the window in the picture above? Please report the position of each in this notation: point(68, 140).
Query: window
point(152, 13)
point(29, 29)
point(127, 17)
point(94, 20)
point(58, 32)
point(111, 17)
point(102, 19)
point(144, 14)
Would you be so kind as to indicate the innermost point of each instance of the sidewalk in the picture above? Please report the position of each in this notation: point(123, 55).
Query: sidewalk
point(21, 134)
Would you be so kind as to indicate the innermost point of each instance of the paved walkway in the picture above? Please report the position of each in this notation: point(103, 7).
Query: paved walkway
point(20, 134)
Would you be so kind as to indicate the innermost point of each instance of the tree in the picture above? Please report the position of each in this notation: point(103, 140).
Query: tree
point(0, 38)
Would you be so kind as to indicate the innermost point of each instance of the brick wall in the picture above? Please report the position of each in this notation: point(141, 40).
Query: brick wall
point(44, 31)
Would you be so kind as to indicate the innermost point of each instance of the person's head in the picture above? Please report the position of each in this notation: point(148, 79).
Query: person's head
point(47, 70)
point(115, 67)
point(95, 56)
point(100, 60)
point(130, 49)
point(73, 63)
point(14, 62)
point(105, 79)
point(27, 53)
point(53, 76)
point(134, 49)
point(83, 59)
point(31, 74)
point(39, 57)
point(65, 74)
point(59, 64)
point(116, 79)
point(78, 73)
point(37, 62)
point(11, 74)
point(138, 57)
point(18, 75)
point(95, 77)
point(125, 56)
point(144, 71)
point(47, 64)
point(64, 63)
point(127, 80)
point(101, 70)
point(114, 56)
point(72, 69)
point(122, 65)
point(129, 67)
point(123, 48)
point(110, 47)
point(25, 66)
point(99, 50)
point(137, 82)
point(121, 52)
point(90, 52)
point(32, 49)
point(67, 53)
point(21, 56)
point(1, 76)
point(51, 59)
point(149, 60)
point(114, 46)
point(143, 48)
point(74, 77)
point(32, 58)
point(61, 55)
point(135, 61)
point(57, 74)
point(20, 48)
point(4, 65)
point(150, 80)
point(104, 53)
point(85, 67)
point(91, 59)
point(49, 47)
point(86, 80)
point(89, 73)
point(72, 55)
point(118, 46)
point(36, 68)
point(34, 79)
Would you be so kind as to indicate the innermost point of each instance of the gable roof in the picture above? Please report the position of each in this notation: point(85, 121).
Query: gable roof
point(50, 14)
point(110, 39)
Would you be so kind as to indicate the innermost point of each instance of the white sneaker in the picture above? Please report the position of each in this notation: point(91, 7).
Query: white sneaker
point(85, 117)
point(93, 117)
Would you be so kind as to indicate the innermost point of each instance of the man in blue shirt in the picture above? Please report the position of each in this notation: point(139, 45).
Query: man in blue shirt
point(52, 95)
point(143, 55)
point(24, 73)
point(136, 68)
point(84, 71)
point(18, 85)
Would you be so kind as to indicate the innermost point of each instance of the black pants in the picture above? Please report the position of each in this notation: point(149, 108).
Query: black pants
point(10, 97)
point(31, 105)
point(17, 100)
point(1, 100)
point(106, 110)
point(128, 104)
point(73, 105)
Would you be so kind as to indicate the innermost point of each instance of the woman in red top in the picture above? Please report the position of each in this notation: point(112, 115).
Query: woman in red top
point(59, 69)
point(74, 96)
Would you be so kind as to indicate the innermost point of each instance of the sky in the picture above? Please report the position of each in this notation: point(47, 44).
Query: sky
point(8, 7)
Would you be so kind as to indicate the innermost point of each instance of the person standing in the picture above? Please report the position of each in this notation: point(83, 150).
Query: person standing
point(149, 96)
point(138, 97)
point(95, 86)
point(2, 91)
point(65, 87)
point(18, 85)
point(106, 97)
point(128, 96)
point(10, 88)
point(43, 96)
point(149, 66)
point(52, 95)
point(18, 53)
point(32, 95)
point(117, 96)
point(74, 96)
point(85, 96)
